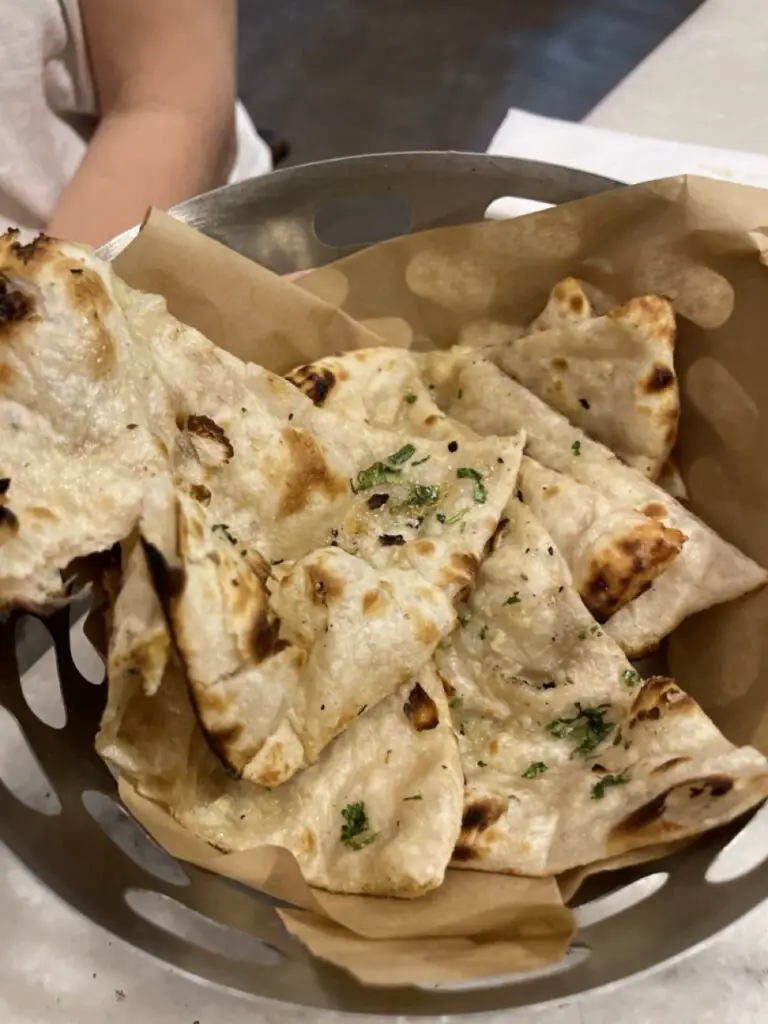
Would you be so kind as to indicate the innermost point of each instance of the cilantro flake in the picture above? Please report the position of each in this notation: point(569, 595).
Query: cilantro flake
point(356, 830)
point(534, 769)
point(599, 788)
point(587, 727)
point(466, 472)
point(401, 455)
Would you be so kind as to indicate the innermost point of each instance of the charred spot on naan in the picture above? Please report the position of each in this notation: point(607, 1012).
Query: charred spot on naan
point(459, 573)
point(479, 815)
point(661, 378)
point(625, 568)
point(306, 472)
point(168, 580)
point(420, 709)
point(673, 812)
point(9, 523)
point(652, 314)
point(496, 539)
point(655, 510)
point(659, 696)
point(374, 601)
point(14, 304)
point(324, 587)
point(89, 297)
point(666, 766)
point(207, 429)
point(314, 380)
point(567, 303)
point(200, 493)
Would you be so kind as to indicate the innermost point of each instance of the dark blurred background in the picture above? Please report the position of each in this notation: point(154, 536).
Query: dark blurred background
point(352, 76)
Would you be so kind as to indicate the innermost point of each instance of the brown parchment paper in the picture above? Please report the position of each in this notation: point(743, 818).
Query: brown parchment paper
point(241, 306)
point(701, 243)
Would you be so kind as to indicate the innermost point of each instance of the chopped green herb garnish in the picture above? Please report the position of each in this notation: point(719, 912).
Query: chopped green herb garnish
point(515, 599)
point(401, 455)
point(534, 769)
point(582, 635)
point(455, 702)
point(595, 630)
point(588, 727)
point(420, 462)
point(483, 632)
point(422, 495)
point(225, 531)
point(465, 472)
point(356, 830)
point(450, 520)
point(416, 796)
point(410, 398)
point(599, 788)
point(630, 678)
point(374, 476)
point(465, 618)
point(576, 447)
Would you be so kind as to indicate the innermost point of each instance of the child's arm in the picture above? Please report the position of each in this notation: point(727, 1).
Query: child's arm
point(164, 72)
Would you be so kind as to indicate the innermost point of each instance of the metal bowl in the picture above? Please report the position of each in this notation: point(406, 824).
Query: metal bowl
point(58, 807)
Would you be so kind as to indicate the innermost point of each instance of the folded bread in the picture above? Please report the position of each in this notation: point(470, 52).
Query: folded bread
point(277, 667)
point(379, 812)
point(569, 756)
point(612, 375)
point(84, 420)
point(707, 571)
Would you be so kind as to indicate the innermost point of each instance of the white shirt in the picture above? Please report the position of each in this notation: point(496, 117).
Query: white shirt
point(48, 110)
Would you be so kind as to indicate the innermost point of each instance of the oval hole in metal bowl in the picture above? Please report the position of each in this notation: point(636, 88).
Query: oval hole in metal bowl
point(361, 220)
point(128, 835)
point(619, 900)
point(744, 852)
point(20, 771)
point(40, 683)
point(176, 919)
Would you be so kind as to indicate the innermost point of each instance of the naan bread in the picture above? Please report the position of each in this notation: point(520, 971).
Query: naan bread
point(277, 667)
point(569, 757)
point(614, 553)
point(286, 478)
point(402, 770)
point(706, 572)
point(567, 305)
point(613, 375)
point(84, 421)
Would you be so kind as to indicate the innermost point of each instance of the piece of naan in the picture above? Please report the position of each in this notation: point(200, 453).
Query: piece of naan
point(569, 756)
point(379, 813)
point(612, 375)
point(708, 570)
point(614, 554)
point(84, 420)
point(286, 477)
point(278, 666)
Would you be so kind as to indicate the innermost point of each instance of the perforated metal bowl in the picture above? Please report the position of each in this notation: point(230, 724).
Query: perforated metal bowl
point(58, 811)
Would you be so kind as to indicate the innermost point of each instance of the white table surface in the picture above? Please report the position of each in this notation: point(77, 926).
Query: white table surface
point(706, 84)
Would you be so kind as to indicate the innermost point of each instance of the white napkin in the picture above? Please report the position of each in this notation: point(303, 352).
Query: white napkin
point(617, 155)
